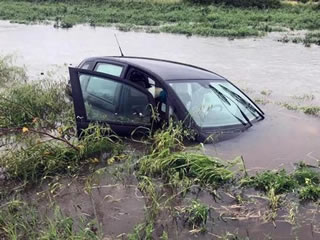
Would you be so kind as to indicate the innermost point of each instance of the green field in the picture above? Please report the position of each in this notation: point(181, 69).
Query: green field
point(170, 16)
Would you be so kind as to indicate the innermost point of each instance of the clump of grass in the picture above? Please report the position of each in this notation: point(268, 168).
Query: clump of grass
point(311, 110)
point(205, 169)
point(290, 106)
point(305, 97)
point(142, 231)
point(34, 104)
point(309, 38)
point(169, 139)
point(266, 92)
point(63, 227)
point(148, 187)
point(196, 214)
point(37, 159)
point(304, 172)
point(19, 220)
point(10, 74)
point(280, 181)
point(166, 159)
point(310, 192)
point(304, 180)
point(66, 22)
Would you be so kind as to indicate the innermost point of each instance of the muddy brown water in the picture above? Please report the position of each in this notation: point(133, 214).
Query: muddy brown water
point(286, 72)
point(254, 64)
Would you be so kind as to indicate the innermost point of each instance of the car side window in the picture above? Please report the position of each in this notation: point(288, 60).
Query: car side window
point(108, 68)
point(109, 100)
point(86, 65)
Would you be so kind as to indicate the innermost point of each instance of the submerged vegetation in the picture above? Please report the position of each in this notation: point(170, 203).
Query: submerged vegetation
point(308, 39)
point(193, 17)
point(42, 160)
point(310, 110)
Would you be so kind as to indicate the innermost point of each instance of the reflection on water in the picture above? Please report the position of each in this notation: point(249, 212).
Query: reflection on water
point(282, 139)
point(285, 70)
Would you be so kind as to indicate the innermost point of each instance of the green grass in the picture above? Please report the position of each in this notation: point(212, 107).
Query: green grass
point(279, 181)
point(303, 180)
point(309, 110)
point(166, 16)
point(38, 158)
point(310, 192)
point(196, 214)
point(166, 159)
point(20, 220)
point(311, 37)
point(9, 73)
point(34, 104)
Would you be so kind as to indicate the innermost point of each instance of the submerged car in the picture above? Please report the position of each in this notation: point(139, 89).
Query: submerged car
point(125, 92)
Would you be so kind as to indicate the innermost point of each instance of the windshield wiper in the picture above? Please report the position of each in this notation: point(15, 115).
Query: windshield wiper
point(224, 99)
point(246, 104)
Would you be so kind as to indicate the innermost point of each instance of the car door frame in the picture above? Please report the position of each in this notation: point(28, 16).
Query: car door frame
point(79, 107)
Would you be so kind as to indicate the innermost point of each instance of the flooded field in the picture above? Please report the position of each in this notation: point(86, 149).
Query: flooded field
point(278, 76)
point(263, 67)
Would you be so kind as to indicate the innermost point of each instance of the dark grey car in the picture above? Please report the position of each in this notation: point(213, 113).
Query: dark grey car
point(122, 91)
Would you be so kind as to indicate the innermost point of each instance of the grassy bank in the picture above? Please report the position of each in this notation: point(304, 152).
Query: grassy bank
point(165, 16)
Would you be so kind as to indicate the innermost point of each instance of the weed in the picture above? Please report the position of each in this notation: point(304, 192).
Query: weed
point(164, 236)
point(310, 192)
point(307, 40)
point(274, 199)
point(10, 74)
point(169, 139)
point(195, 215)
point(266, 92)
point(62, 227)
point(142, 231)
point(261, 101)
point(205, 169)
point(304, 172)
point(290, 106)
point(293, 214)
point(34, 104)
point(279, 181)
point(37, 159)
point(148, 187)
point(305, 97)
point(311, 110)
point(18, 220)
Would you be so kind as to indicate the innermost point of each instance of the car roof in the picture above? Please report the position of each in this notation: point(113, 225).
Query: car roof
point(167, 70)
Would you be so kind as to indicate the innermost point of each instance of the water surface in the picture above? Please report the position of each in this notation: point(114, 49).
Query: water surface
point(285, 71)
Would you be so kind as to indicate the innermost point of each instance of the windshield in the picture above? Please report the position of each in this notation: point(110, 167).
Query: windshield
point(216, 103)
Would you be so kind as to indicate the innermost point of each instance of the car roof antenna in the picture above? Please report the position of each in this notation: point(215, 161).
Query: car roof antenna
point(119, 45)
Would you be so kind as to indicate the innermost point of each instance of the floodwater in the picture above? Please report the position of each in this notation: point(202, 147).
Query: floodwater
point(286, 72)
point(281, 140)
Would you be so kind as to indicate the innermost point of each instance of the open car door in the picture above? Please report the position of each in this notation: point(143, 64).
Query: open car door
point(106, 99)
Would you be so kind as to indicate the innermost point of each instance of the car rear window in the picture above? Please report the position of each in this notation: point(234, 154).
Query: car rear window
point(108, 68)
